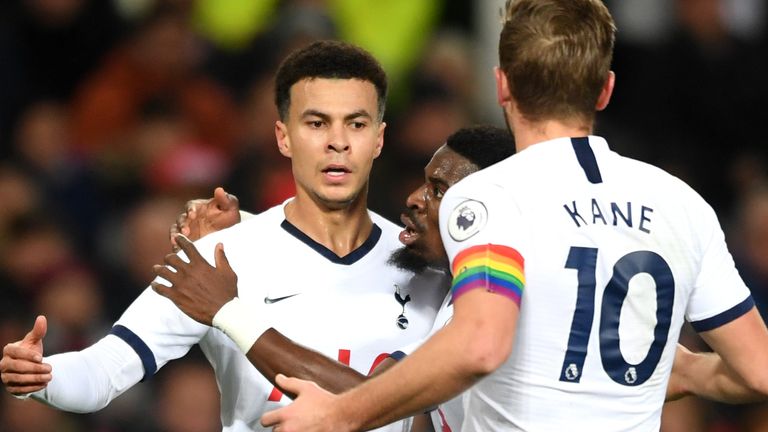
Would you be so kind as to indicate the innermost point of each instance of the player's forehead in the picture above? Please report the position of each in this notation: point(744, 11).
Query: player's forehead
point(334, 96)
point(447, 166)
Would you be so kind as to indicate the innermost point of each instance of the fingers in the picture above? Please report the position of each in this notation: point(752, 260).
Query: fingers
point(272, 418)
point(193, 206)
point(189, 248)
point(19, 378)
point(289, 385)
point(165, 273)
point(221, 258)
point(293, 385)
point(225, 201)
point(17, 352)
point(180, 227)
point(163, 290)
point(221, 199)
point(38, 331)
point(22, 370)
point(174, 261)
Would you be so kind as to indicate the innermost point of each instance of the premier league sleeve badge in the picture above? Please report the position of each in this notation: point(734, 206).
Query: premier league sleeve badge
point(467, 219)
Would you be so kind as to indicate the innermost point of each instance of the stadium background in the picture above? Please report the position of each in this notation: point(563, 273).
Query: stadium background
point(113, 113)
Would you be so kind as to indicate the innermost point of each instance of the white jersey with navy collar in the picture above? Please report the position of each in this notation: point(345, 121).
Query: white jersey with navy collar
point(617, 255)
point(356, 309)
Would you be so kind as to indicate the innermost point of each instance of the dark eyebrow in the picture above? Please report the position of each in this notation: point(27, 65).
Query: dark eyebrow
point(325, 117)
point(356, 114)
point(437, 181)
point(315, 113)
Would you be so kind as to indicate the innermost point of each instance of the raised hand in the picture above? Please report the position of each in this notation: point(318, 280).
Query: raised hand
point(22, 368)
point(198, 289)
point(204, 216)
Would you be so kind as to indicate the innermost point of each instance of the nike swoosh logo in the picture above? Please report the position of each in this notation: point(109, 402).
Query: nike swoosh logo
point(268, 300)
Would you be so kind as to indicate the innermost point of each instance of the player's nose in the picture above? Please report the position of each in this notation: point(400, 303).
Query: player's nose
point(416, 199)
point(337, 140)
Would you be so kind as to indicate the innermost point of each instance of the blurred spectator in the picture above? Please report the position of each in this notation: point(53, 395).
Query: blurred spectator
point(47, 47)
point(27, 416)
point(19, 197)
point(132, 244)
point(261, 177)
point(43, 148)
point(751, 244)
point(188, 397)
point(53, 280)
point(692, 102)
point(156, 67)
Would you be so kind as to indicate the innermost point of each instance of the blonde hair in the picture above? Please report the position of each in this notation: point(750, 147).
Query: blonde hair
point(556, 55)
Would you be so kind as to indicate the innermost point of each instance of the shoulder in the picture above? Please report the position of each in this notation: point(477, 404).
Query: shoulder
point(387, 227)
point(657, 179)
point(263, 226)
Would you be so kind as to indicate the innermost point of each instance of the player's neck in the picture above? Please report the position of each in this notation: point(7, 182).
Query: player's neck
point(528, 133)
point(342, 230)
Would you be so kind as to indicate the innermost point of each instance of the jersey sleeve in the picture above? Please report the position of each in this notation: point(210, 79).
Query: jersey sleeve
point(719, 295)
point(86, 381)
point(480, 228)
point(155, 328)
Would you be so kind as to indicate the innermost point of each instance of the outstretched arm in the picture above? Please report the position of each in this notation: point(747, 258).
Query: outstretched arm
point(80, 381)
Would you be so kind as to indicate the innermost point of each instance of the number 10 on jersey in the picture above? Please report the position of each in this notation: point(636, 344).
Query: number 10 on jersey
point(584, 261)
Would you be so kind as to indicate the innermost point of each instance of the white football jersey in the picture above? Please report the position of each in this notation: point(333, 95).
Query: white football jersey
point(448, 416)
point(617, 255)
point(356, 309)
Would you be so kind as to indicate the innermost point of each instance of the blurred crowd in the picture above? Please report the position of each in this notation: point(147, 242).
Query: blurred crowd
point(114, 113)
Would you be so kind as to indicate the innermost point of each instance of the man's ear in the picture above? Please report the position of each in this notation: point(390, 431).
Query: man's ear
point(283, 142)
point(503, 95)
point(606, 92)
point(379, 140)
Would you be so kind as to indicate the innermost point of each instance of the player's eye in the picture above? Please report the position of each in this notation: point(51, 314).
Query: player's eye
point(315, 124)
point(358, 125)
point(437, 192)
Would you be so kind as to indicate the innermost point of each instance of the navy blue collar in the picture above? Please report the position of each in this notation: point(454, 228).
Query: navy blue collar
point(348, 259)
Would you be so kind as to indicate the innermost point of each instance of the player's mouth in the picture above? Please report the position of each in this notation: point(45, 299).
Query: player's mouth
point(335, 173)
point(411, 232)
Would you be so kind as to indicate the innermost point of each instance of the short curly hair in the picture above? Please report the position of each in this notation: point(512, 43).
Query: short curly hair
point(482, 145)
point(328, 59)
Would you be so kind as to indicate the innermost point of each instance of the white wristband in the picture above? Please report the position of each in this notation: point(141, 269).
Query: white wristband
point(240, 323)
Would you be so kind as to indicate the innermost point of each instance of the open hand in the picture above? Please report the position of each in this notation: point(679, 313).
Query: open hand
point(22, 368)
point(198, 289)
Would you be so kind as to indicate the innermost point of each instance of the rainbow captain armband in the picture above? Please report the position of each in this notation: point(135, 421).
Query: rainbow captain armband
point(495, 268)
